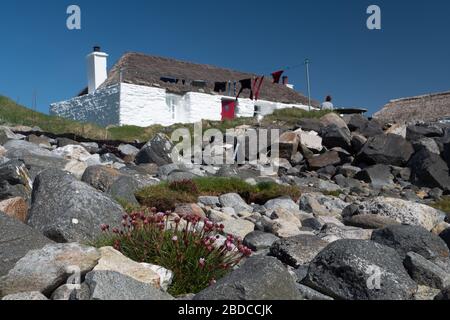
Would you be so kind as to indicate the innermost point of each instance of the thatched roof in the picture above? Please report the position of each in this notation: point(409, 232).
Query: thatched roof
point(148, 70)
point(430, 107)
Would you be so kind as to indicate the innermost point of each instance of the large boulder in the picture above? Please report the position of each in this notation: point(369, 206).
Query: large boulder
point(405, 239)
point(417, 132)
point(101, 177)
point(16, 208)
point(288, 144)
point(299, 250)
point(46, 269)
point(233, 200)
point(33, 155)
point(26, 296)
point(16, 240)
point(425, 272)
point(402, 211)
point(113, 260)
point(358, 123)
point(115, 286)
point(334, 136)
point(158, 151)
point(378, 175)
point(429, 170)
point(330, 158)
point(15, 180)
point(360, 270)
point(67, 210)
point(259, 278)
point(6, 134)
point(386, 149)
point(258, 240)
point(333, 119)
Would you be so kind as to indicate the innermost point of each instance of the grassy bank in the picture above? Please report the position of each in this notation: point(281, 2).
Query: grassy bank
point(12, 113)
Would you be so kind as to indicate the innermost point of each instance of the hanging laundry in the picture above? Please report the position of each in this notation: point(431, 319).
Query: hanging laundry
point(246, 84)
point(277, 76)
point(220, 87)
point(257, 84)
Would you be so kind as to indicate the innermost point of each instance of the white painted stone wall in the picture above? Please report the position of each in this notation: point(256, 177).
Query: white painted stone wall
point(144, 106)
point(101, 108)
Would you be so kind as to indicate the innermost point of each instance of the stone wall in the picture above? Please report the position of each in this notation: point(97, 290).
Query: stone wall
point(101, 108)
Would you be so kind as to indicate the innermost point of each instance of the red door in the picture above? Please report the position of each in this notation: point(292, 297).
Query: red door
point(228, 109)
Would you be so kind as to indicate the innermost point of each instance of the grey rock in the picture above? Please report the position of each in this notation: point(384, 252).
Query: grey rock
point(345, 268)
point(124, 189)
point(324, 160)
point(259, 278)
point(386, 149)
point(165, 170)
point(370, 221)
point(405, 239)
point(332, 232)
point(311, 294)
point(429, 170)
point(348, 171)
point(46, 269)
point(67, 210)
point(26, 296)
point(445, 235)
point(158, 151)
point(416, 132)
point(66, 292)
point(425, 272)
point(258, 240)
point(209, 201)
point(283, 203)
point(233, 200)
point(299, 250)
point(128, 150)
point(16, 240)
point(402, 211)
point(111, 286)
point(100, 177)
point(6, 134)
point(334, 136)
point(444, 295)
point(378, 175)
point(427, 143)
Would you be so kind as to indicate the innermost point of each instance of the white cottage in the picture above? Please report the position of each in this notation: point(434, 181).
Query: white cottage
point(144, 90)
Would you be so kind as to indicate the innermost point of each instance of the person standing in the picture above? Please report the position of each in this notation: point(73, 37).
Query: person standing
point(327, 105)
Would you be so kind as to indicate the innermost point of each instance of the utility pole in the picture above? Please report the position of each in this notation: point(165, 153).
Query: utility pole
point(307, 62)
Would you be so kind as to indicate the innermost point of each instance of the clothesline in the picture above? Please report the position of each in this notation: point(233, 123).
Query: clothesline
point(254, 84)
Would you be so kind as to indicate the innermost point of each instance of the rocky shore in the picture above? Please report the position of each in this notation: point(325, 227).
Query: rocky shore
point(364, 226)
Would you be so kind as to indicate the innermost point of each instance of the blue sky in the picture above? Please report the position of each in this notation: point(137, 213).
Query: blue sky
point(358, 67)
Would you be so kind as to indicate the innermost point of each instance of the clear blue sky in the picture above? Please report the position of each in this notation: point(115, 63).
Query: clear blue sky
point(358, 67)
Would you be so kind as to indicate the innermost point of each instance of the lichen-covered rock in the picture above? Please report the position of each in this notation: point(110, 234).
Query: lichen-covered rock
point(65, 209)
point(46, 269)
point(259, 278)
point(360, 270)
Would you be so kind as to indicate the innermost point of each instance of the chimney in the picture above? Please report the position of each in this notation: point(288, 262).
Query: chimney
point(97, 69)
point(286, 82)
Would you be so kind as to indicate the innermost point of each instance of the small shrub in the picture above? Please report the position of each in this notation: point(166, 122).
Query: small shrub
point(168, 196)
point(443, 205)
point(186, 245)
point(162, 197)
point(187, 186)
point(266, 191)
point(216, 186)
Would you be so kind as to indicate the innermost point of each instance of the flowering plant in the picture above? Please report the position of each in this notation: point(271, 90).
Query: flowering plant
point(190, 246)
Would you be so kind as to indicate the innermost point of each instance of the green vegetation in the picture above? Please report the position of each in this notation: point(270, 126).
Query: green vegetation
point(186, 246)
point(167, 196)
point(443, 205)
point(12, 113)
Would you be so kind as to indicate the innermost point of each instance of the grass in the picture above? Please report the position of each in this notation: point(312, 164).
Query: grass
point(167, 196)
point(443, 205)
point(12, 113)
